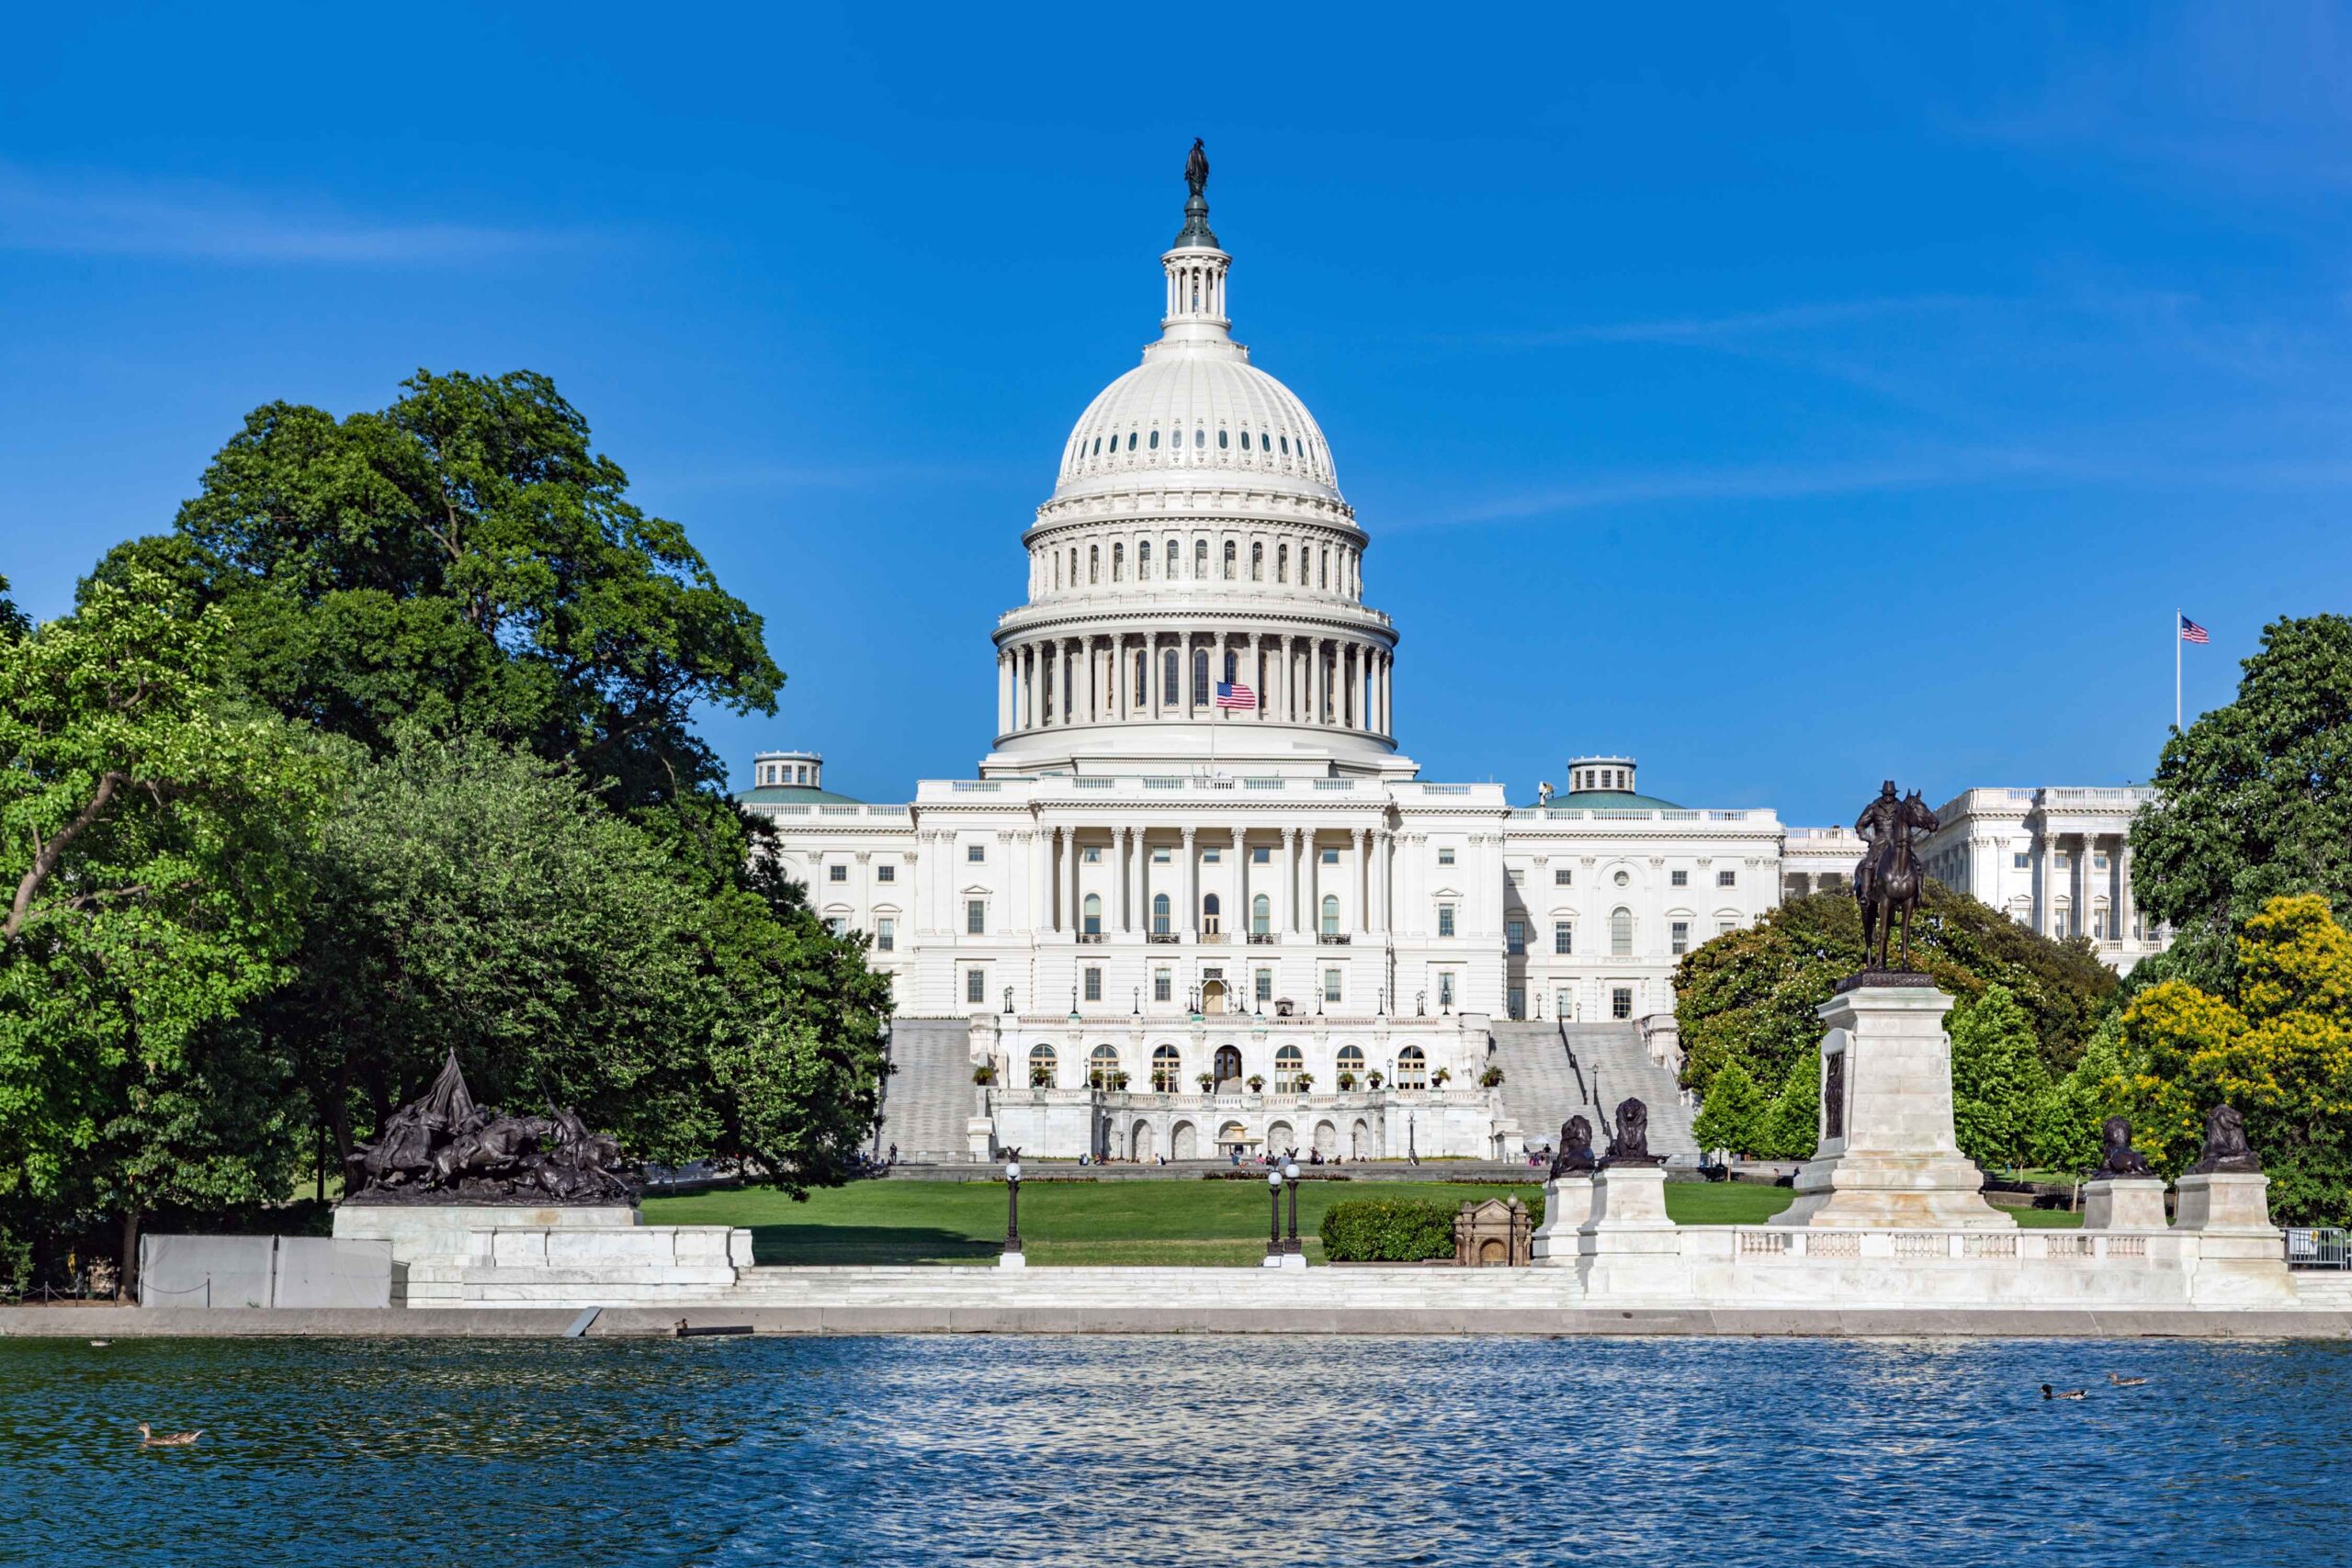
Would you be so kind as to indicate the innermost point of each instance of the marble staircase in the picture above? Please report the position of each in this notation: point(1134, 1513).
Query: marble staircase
point(1552, 1071)
point(928, 1099)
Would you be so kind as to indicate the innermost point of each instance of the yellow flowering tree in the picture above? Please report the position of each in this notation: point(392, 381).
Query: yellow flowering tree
point(2282, 1055)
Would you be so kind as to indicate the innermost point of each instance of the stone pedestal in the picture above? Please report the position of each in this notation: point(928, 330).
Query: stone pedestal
point(2241, 1256)
point(1629, 1247)
point(1887, 1159)
point(2125, 1203)
point(1567, 1203)
point(438, 1232)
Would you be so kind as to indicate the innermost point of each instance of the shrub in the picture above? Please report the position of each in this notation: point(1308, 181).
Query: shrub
point(1491, 1079)
point(1387, 1230)
point(1347, 1081)
point(984, 1074)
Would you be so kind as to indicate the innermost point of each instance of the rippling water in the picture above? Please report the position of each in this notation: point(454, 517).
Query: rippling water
point(1047, 1451)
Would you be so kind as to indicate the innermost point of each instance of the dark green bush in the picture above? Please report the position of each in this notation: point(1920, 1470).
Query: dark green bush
point(1387, 1230)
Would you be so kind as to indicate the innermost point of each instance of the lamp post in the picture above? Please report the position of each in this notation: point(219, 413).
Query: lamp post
point(1012, 1256)
point(1274, 1224)
point(1290, 1178)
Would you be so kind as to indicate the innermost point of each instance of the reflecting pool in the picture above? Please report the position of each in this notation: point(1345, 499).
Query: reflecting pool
point(1109, 1451)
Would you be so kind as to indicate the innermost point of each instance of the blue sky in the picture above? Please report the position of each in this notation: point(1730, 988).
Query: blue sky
point(1688, 369)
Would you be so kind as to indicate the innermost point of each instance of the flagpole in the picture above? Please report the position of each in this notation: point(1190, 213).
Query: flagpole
point(2175, 667)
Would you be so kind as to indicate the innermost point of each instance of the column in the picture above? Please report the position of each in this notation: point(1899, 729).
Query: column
point(1360, 883)
point(1151, 674)
point(1123, 676)
point(1003, 693)
point(1040, 895)
point(1069, 905)
point(1314, 887)
point(1126, 840)
point(2127, 907)
point(1053, 903)
point(1242, 881)
point(1290, 881)
point(1380, 849)
point(1191, 888)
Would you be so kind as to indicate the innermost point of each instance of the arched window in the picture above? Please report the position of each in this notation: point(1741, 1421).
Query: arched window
point(1232, 553)
point(1093, 564)
point(1412, 1068)
point(1057, 568)
point(1257, 563)
point(1199, 560)
point(1322, 568)
point(1143, 561)
point(1094, 914)
point(1621, 933)
point(1102, 1066)
point(1167, 1070)
point(1143, 674)
point(1262, 914)
point(1331, 914)
point(1232, 666)
point(1281, 563)
point(1286, 440)
point(1170, 680)
point(1200, 677)
point(1289, 1062)
point(1155, 441)
point(1352, 1061)
point(1210, 909)
point(1220, 439)
point(1172, 559)
point(1160, 914)
point(1245, 441)
point(1131, 440)
point(1200, 438)
point(1118, 563)
point(1041, 1067)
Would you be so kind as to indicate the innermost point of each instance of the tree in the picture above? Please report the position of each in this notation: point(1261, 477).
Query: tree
point(1996, 1076)
point(151, 837)
point(1752, 994)
point(465, 559)
point(14, 626)
point(1791, 1127)
point(1731, 1116)
point(2253, 801)
point(2282, 1055)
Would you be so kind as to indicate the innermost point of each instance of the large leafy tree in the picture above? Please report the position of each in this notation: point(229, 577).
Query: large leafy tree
point(2282, 1054)
point(1751, 995)
point(151, 832)
point(476, 899)
point(1731, 1116)
point(2253, 801)
point(465, 559)
point(1997, 1077)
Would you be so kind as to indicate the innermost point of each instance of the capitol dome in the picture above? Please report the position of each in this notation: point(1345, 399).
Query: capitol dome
point(1195, 579)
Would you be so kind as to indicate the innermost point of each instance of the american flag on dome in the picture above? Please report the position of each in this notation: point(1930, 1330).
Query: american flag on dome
point(2191, 632)
point(1234, 695)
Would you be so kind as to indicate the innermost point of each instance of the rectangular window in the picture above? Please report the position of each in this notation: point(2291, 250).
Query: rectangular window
point(886, 873)
point(1726, 879)
point(886, 935)
point(1262, 855)
point(1445, 919)
point(1678, 878)
point(1725, 928)
point(1680, 941)
point(1330, 986)
point(1093, 984)
point(1265, 984)
point(1563, 936)
point(975, 985)
point(837, 925)
point(1091, 855)
point(1210, 857)
point(1445, 855)
point(975, 917)
point(1517, 1003)
point(1163, 986)
point(1564, 1004)
point(837, 873)
point(1620, 1001)
point(1162, 856)
point(2098, 862)
point(1330, 857)
point(1515, 936)
point(1563, 878)
point(2059, 860)
point(1446, 987)
point(975, 853)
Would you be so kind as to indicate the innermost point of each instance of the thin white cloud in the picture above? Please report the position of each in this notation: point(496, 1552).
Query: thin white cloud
point(106, 215)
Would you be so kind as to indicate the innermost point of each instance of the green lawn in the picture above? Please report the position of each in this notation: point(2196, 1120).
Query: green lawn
point(1078, 1222)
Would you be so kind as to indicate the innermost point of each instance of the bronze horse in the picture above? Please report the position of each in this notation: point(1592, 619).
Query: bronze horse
point(1890, 879)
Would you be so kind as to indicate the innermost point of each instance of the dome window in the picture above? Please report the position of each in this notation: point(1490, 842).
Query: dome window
point(1220, 440)
point(1097, 447)
point(1131, 440)
point(1155, 441)
point(1286, 446)
point(1245, 441)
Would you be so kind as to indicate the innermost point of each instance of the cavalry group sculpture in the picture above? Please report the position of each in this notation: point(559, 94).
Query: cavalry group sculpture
point(444, 1148)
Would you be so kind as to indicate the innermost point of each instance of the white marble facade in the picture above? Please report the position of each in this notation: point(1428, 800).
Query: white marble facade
point(1135, 856)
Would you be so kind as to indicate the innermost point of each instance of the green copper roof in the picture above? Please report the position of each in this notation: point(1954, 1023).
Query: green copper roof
point(1607, 800)
point(794, 795)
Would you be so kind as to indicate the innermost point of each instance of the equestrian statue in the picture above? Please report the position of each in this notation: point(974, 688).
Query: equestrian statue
point(1890, 879)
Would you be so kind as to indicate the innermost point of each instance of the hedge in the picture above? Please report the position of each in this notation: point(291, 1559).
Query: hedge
point(1387, 1230)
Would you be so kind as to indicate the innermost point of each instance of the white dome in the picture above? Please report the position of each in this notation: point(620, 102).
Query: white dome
point(1197, 409)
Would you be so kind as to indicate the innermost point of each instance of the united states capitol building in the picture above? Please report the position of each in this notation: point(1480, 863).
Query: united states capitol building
point(1197, 898)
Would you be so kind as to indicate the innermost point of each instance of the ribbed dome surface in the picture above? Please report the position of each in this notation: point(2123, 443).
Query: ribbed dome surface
point(1190, 407)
